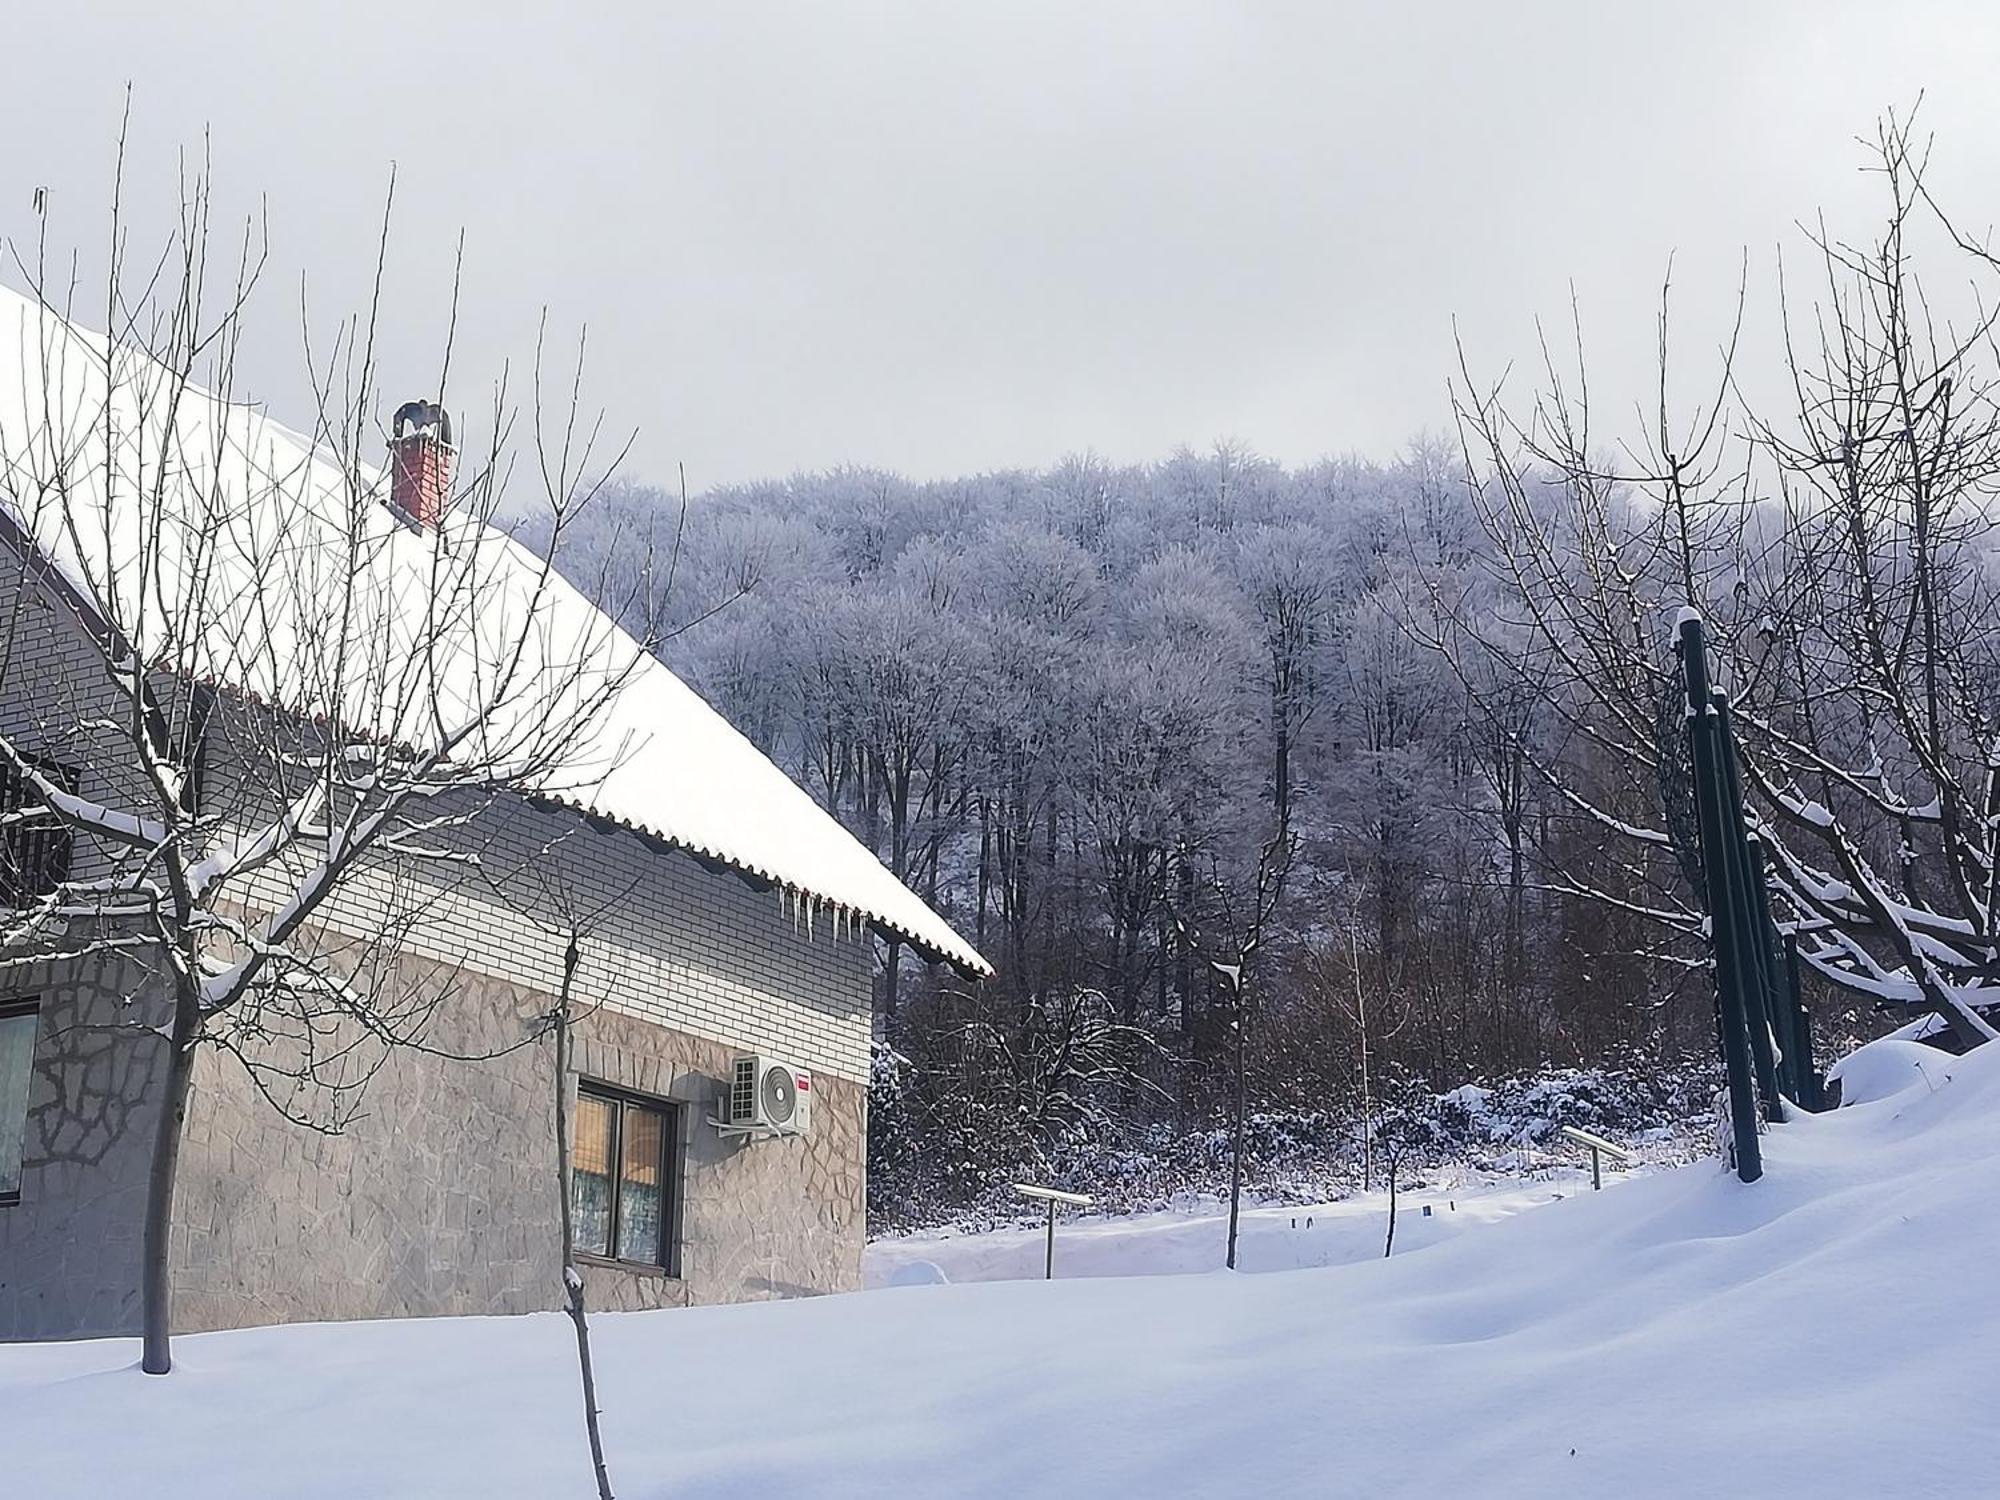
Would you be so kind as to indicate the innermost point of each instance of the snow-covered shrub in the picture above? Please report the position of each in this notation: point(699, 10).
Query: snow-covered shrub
point(1499, 1125)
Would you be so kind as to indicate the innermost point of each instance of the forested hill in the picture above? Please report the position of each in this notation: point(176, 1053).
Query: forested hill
point(1072, 706)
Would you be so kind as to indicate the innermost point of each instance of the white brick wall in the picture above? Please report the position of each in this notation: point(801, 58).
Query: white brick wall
point(678, 944)
point(671, 941)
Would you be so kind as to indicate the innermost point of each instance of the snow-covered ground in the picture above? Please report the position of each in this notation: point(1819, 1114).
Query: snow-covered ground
point(1194, 1235)
point(1829, 1331)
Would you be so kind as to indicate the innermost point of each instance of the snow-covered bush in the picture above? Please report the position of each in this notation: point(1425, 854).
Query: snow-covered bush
point(1512, 1124)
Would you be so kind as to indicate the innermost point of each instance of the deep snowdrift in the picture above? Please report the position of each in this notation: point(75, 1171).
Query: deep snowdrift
point(1825, 1332)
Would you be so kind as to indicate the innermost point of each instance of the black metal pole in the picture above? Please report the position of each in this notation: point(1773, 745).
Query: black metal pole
point(1049, 1264)
point(1811, 1096)
point(1777, 1000)
point(1596, 1173)
point(1746, 931)
point(1731, 1023)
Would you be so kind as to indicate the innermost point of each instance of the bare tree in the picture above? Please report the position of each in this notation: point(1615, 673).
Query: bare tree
point(1245, 923)
point(1289, 576)
point(1397, 1130)
point(293, 708)
point(1334, 971)
point(1003, 1091)
point(892, 677)
point(1841, 559)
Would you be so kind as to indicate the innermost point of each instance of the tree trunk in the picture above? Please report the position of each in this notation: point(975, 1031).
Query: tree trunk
point(1387, 894)
point(1517, 885)
point(1390, 1243)
point(1281, 758)
point(1367, 1096)
point(1236, 1124)
point(156, 1275)
point(1129, 915)
point(572, 1281)
point(892, 965)
point(1184, 956)
point(985, 873)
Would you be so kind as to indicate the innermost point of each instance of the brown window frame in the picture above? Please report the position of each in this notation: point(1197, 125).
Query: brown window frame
point(22, 1005)
point(669, 1261)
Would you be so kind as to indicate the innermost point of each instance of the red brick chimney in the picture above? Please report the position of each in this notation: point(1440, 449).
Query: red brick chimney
point(420, 458)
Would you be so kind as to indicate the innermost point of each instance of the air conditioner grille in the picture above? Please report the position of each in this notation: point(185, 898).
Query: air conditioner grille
point(743, 1091)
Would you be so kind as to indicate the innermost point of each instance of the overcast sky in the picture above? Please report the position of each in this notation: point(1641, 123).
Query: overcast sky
point(942, 238)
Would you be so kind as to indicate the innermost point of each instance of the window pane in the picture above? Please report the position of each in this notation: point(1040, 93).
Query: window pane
point(17, 1054)
point(590, 1174)
point(34, 852)
point(640, 1198)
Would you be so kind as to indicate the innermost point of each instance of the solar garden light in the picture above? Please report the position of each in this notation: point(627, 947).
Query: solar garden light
point(1052, 1197)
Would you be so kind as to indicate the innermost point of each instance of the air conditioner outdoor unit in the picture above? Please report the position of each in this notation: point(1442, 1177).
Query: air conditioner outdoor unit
point(768, 1095)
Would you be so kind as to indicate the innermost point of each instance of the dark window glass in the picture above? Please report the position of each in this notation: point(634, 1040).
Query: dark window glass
point(34, 845)
point(621, 1177)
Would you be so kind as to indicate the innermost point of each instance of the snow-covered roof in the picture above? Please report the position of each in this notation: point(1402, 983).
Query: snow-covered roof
point(281, 520)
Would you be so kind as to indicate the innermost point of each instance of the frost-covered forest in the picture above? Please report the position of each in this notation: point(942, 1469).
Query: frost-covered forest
point(1070, 707)
point(1388, 757)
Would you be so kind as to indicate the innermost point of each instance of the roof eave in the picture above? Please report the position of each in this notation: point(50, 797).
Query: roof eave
point(968, 963)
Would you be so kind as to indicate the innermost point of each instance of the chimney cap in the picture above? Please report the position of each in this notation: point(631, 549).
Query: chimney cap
point(420, 419)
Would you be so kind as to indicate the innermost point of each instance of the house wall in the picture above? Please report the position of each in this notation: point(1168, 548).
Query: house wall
point(440, 1197)
point(443, 1199)
point(53, 694)
point(69, 1250)
point(667, 940)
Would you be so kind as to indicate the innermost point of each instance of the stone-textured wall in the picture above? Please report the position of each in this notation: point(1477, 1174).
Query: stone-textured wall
point(443, 1198)
point(69, 1250)
point(764, 1218)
